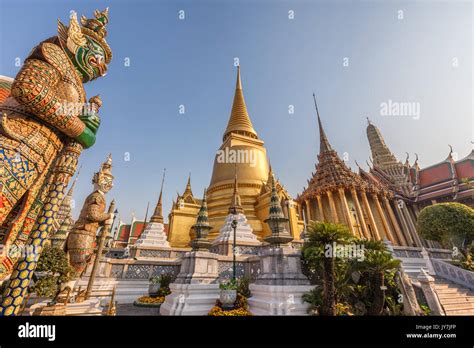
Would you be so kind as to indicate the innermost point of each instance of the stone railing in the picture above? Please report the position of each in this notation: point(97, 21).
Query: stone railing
point(140, 252)
point(415, 252)
point(453, 273)
point(247, 266)
point(406, 252)
point(137, 269)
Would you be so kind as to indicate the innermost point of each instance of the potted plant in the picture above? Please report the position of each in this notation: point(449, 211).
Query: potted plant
point(228, 293)
point(154, 286)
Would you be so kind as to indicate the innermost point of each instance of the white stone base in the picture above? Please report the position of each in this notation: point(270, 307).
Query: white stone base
point(243, 231)
point(190, 299)
point(153, 236)
point(126, 290)
point(278, 299)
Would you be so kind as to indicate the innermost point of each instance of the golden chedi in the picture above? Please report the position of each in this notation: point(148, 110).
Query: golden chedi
point(243, 153)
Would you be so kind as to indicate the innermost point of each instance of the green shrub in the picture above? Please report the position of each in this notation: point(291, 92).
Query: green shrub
point(230, 284)
point(448, 224)
point(355, 281)
point(53, 269)
point(243, 287)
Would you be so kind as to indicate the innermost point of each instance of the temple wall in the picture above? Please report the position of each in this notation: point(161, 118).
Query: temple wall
point(181, 221)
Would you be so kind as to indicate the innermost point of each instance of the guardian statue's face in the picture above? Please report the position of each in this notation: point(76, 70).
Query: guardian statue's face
point(103, 182)
point(89, 60)
point(86, 46)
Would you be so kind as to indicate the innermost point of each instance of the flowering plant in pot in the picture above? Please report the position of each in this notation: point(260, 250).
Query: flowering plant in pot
point(154, 286)
point(228, 293)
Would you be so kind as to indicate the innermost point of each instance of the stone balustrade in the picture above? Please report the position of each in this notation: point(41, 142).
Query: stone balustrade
point(453, 273)
point(247, 266)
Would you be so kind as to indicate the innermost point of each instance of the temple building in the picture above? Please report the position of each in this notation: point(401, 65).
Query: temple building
point(182, 217)
point(126, 234)
point(365, 204)
point(242, 151)
point(154, 234)
point(446, 181)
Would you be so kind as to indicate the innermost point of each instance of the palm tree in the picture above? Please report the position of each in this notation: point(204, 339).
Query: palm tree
point(323, 235)
point(377, 261)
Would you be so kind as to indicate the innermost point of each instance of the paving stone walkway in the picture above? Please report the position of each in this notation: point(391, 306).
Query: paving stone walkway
point(130, 309)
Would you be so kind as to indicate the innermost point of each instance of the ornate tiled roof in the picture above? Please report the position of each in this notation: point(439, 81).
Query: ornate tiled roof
point(137, 228)
point(188, 193)
point(331, 171)
point(465, 166)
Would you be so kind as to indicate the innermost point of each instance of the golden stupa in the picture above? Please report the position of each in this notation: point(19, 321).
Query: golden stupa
point(242, 153)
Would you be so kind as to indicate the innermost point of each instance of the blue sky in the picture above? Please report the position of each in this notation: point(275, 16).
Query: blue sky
point(425, 58)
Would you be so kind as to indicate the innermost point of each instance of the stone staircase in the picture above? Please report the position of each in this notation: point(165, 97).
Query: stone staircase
point(455, 299)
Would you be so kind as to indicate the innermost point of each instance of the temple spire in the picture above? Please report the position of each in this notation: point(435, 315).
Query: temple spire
point(188, 191)
point(238, 84)
point(201, 227)
point(276, 219)
point(239, 121)
point(64, 220)
point(323, 140)
point(158, 213)
point(381, 154)
point(235, 205)
point(68, 198)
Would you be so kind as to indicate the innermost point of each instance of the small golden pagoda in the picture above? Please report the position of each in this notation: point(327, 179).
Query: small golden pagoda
point(182, 217)
point(242, 153)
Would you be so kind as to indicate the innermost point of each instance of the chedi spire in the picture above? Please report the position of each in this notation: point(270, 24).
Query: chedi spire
point(239, 121)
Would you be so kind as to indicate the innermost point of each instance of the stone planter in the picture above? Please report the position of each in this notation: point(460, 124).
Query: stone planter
point(153, 289)
point(227, 298)
point(70, 284)
point(151, 305)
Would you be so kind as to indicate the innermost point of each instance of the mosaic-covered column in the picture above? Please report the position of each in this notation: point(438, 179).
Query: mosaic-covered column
point(365, 201)
point(411, 225)
point(406, 228)
point(345, 208)
point(320, 208)
point(308, 210)
point(359, 213)
point(393, 218)
point(332, 206)
point(15, 292)
point(386, 226)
